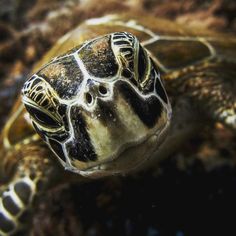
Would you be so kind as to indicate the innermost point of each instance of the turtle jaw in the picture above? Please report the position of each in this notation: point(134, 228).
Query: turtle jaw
point(130, 159)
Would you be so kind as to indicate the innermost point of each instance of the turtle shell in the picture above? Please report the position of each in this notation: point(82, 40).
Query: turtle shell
point(172, 47)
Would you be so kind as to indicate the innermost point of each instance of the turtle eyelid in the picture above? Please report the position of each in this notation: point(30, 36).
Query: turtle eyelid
point(42, 118)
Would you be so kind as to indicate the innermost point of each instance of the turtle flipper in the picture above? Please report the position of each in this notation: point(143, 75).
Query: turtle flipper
point(34, 173)
point(212, 86)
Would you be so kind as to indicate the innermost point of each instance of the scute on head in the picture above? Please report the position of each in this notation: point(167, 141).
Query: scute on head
point(98, 58)
point(112, 111)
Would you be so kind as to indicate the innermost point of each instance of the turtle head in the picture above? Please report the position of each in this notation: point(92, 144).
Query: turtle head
point(101, 107)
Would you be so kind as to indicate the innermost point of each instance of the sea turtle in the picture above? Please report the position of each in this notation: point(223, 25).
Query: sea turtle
point(97, 104)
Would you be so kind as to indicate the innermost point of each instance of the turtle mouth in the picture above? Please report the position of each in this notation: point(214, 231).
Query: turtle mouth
point(130, 158)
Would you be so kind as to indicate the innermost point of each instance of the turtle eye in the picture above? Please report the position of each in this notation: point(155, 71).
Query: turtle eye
point(142, 63)
point(42, 118)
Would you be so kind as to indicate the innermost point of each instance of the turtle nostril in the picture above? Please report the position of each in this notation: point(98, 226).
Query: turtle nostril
point(102, 90)
point(89, 98)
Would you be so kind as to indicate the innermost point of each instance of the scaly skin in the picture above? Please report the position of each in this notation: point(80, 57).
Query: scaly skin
point(33, 175)
point(210, 88)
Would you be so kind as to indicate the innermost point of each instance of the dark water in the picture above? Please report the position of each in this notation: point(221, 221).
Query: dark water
point(178, 203)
